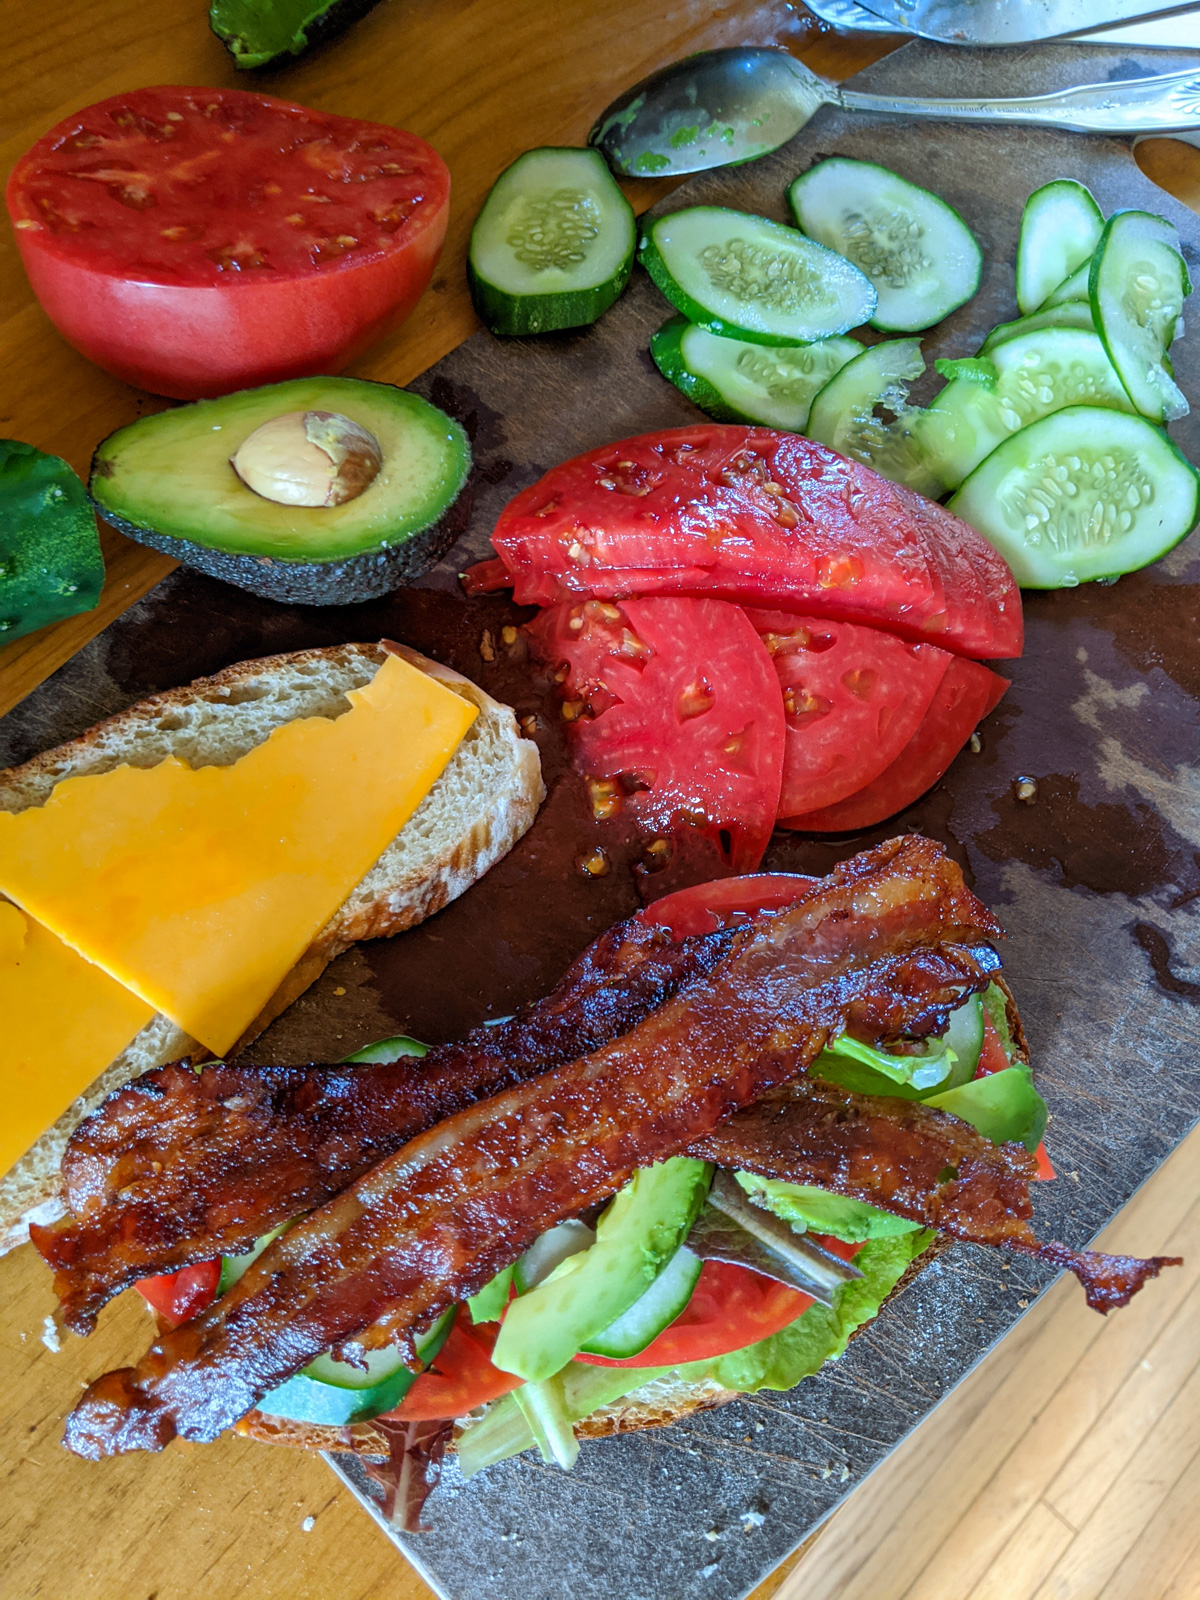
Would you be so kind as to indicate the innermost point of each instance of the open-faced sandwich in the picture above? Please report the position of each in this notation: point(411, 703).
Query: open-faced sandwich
point(691, 1170)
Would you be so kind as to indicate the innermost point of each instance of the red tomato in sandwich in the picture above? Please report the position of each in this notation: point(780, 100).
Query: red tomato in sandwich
point(708, 906)
point(966, 694)
point(674, 708)
point(462, 1375)
point(992, 1058)
point(179, 1296)
point(852, 698)
point(763, 519)
point(196, 241)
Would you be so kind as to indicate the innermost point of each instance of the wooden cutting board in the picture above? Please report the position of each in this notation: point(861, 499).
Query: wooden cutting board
point(1096, 881)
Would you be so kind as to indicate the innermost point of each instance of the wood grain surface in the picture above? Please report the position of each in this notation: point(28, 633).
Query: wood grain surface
point(482, 80)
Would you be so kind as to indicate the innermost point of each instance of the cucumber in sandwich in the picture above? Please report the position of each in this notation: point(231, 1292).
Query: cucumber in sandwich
point(918, 253)
point(553, 245)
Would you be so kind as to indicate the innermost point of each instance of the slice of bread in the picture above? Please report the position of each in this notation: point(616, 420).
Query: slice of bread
point(484, 800)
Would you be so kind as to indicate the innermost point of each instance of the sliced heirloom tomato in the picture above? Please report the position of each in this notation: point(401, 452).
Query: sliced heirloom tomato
point(179, 1296)
point(461, 1377)
point(966, 694)
point(196, 241)
point(760, 518)
point(852, 698)
point(675, 714)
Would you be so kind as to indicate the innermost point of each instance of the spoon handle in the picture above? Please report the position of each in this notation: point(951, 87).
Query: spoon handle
point(1131, 105)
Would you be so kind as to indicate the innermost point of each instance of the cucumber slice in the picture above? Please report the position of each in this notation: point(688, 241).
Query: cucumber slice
point(1086, 493)
point(553, 245)
point(1071, 314)
point(1137, 287)
point(1060, 228)
point(745, 277)
point(916, 250)
point(335, 1393)
point(843, 414)
point(548, 1251)
point(384, 1051)
point(738, 382)
point(1036, 374)
point(1073, 287)
point(655, 1310)
point(234, 1267)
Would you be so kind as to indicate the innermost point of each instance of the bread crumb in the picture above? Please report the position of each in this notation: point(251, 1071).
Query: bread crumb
point(50, 1336)
point(339, 991)
point(308, 1524)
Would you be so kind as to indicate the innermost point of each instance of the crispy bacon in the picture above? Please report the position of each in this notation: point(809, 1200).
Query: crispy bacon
point(431, 1224)
point(179, 1166)
point(917, 1162)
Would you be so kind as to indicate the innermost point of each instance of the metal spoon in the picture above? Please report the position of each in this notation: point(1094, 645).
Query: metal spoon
point(727, 106)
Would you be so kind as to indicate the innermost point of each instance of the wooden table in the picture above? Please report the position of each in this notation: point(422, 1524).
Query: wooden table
point(482, 80)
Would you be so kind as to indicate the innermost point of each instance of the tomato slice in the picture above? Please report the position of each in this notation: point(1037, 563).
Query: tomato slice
point(194, 241)
point(966, 694)
point(461, 1377)
point(675, 713)
point(992, 1058)
point(852, 697)
point(762, 518)
point(179, 1296)
point(705, 907)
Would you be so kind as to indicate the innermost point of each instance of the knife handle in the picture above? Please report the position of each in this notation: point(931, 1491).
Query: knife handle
point(1159, 104)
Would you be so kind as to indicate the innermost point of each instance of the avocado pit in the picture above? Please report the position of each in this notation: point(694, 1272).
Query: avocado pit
point(308, 458)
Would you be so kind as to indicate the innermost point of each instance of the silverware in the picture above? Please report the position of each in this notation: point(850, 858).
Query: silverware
point(726, 106)
point(733, 1228)
point(1008, 22)
point(1180, 31)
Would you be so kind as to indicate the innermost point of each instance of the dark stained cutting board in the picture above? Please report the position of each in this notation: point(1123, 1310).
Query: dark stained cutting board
point(1096, 882)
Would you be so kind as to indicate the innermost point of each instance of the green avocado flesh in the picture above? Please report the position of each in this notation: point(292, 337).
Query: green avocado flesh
point(258, 32)
point(50, 561)
point(166, 481)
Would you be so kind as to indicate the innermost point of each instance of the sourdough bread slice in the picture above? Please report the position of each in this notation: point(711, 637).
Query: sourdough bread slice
point(484, 800)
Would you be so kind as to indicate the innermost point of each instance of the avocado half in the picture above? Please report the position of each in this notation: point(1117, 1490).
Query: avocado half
point(166, 481)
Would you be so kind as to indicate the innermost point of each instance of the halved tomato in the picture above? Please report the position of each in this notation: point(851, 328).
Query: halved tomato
point(852, 698)
point(461, 1377)
point(675, 715)
point(195, 241)
point(964, 697)
point(179, 1296)
point(760, 518)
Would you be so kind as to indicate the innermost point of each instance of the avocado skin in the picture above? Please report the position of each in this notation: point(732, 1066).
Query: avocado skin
point(313, 583)
point(335, 18)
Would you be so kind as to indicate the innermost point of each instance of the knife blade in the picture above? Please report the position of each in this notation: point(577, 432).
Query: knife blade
point(1179, 31)
point(1010, 22)
point(732, 1228)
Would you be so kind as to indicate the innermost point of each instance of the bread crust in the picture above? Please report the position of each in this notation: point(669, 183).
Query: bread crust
point(401, 890)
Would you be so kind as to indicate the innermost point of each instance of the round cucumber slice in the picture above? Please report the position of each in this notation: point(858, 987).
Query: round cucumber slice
point(738, 382)
point(1085, 493)
point(1036, 374)
point(1071, 314)
point(748, 278)
point(553, 245)
point(1060, 228)
point(333, 1392)
point(844, 416)
point(1137, 286)
point(919, 254)
point(651, 1312)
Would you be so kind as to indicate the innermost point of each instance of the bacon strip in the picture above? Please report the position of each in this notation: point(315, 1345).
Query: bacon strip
point(435, 1221)
point(179, 1166)
point(897, 1154)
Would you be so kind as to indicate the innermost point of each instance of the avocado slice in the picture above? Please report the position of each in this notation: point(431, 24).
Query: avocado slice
point(50, 561)
point(259, 33)
point(166, 481)
point(637, 1235)
point(808, 1208)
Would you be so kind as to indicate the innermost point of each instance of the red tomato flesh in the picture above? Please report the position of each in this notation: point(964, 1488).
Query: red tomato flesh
point(675, 713)
point(992, 1058)
point(966, 694)
point(761, 518)
point(460, 1378)
point(708, 906)
point(196, 241)
point(852, 698)
point(179, 1296)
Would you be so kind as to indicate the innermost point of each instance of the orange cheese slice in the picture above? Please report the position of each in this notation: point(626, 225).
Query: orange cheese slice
point(199, 889)
point(63, 1022)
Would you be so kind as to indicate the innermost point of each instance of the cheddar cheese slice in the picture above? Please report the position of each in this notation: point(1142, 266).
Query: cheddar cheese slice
point(199, 889)
point(62, 1022)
